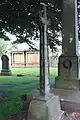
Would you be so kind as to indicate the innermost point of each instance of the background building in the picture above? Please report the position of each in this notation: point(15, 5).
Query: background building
point(27, 58)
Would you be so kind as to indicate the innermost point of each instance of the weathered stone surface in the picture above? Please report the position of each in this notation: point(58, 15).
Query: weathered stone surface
point(68, 61)
point(45, 108)
point(69, 99)
point(5, 66)
point(68, 84)
point(68, 73)
point(68, 66)
point(68, 20)
point(67, 95)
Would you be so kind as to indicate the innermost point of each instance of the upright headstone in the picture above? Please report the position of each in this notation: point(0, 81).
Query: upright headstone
point(5, 65)
point(68, 61)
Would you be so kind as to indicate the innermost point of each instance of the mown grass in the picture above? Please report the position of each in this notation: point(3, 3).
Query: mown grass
point(25, 71)
point(31, 71)
point(15, 79)
point(27, 83)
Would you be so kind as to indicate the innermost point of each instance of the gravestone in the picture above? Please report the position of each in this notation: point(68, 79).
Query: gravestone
point(68, 61)
point(5, 65)
point(67, 82)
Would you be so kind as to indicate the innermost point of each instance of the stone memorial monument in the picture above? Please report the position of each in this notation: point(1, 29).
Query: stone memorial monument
point(44, 106)
point(67, 82)
point(5, 65)
point(68, 61)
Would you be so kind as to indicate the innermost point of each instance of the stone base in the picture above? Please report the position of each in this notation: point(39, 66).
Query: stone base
point(45, 108)
point(65, 83)
point(68, 73)
point(69, 99)
point(5, 72)
point(67, 95)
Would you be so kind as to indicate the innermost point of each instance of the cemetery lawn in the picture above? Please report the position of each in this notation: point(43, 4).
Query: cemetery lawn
point(12, 87)
point(32, 71)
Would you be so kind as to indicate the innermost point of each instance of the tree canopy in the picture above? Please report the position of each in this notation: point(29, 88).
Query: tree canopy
point(6, 47)
point(21, 18)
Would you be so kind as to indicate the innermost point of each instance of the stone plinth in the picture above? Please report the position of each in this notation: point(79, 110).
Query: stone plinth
point(67, 95)
point(45, 108)
point(68, 84)
point(5, 72)
point(69, 99)
point(68, 66)
point(68, 73)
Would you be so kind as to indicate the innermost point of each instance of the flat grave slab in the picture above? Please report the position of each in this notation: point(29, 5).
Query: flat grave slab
point(67, 95)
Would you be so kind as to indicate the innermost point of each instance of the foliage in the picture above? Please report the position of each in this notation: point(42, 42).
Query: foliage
point(21, 18)
point(2, 47)
point(10, 46)
point(6, 47)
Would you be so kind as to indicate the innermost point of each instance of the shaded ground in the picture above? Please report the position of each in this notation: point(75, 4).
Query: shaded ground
point(66, 116)
point(10, 93)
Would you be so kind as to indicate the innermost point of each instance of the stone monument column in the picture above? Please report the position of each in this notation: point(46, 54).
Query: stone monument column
point(44, 106)
point(68, 19)
point(68, 61)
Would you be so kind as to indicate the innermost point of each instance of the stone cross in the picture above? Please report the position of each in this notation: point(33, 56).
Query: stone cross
point(44, 106)
point(44, 61)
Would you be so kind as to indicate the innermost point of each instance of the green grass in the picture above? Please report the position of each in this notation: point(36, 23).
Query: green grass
point(15, 79)
point(35, 71)
point(25, 71)
point(14, 104)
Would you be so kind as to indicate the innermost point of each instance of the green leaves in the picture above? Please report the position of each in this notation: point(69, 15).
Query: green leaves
point(21, 18)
